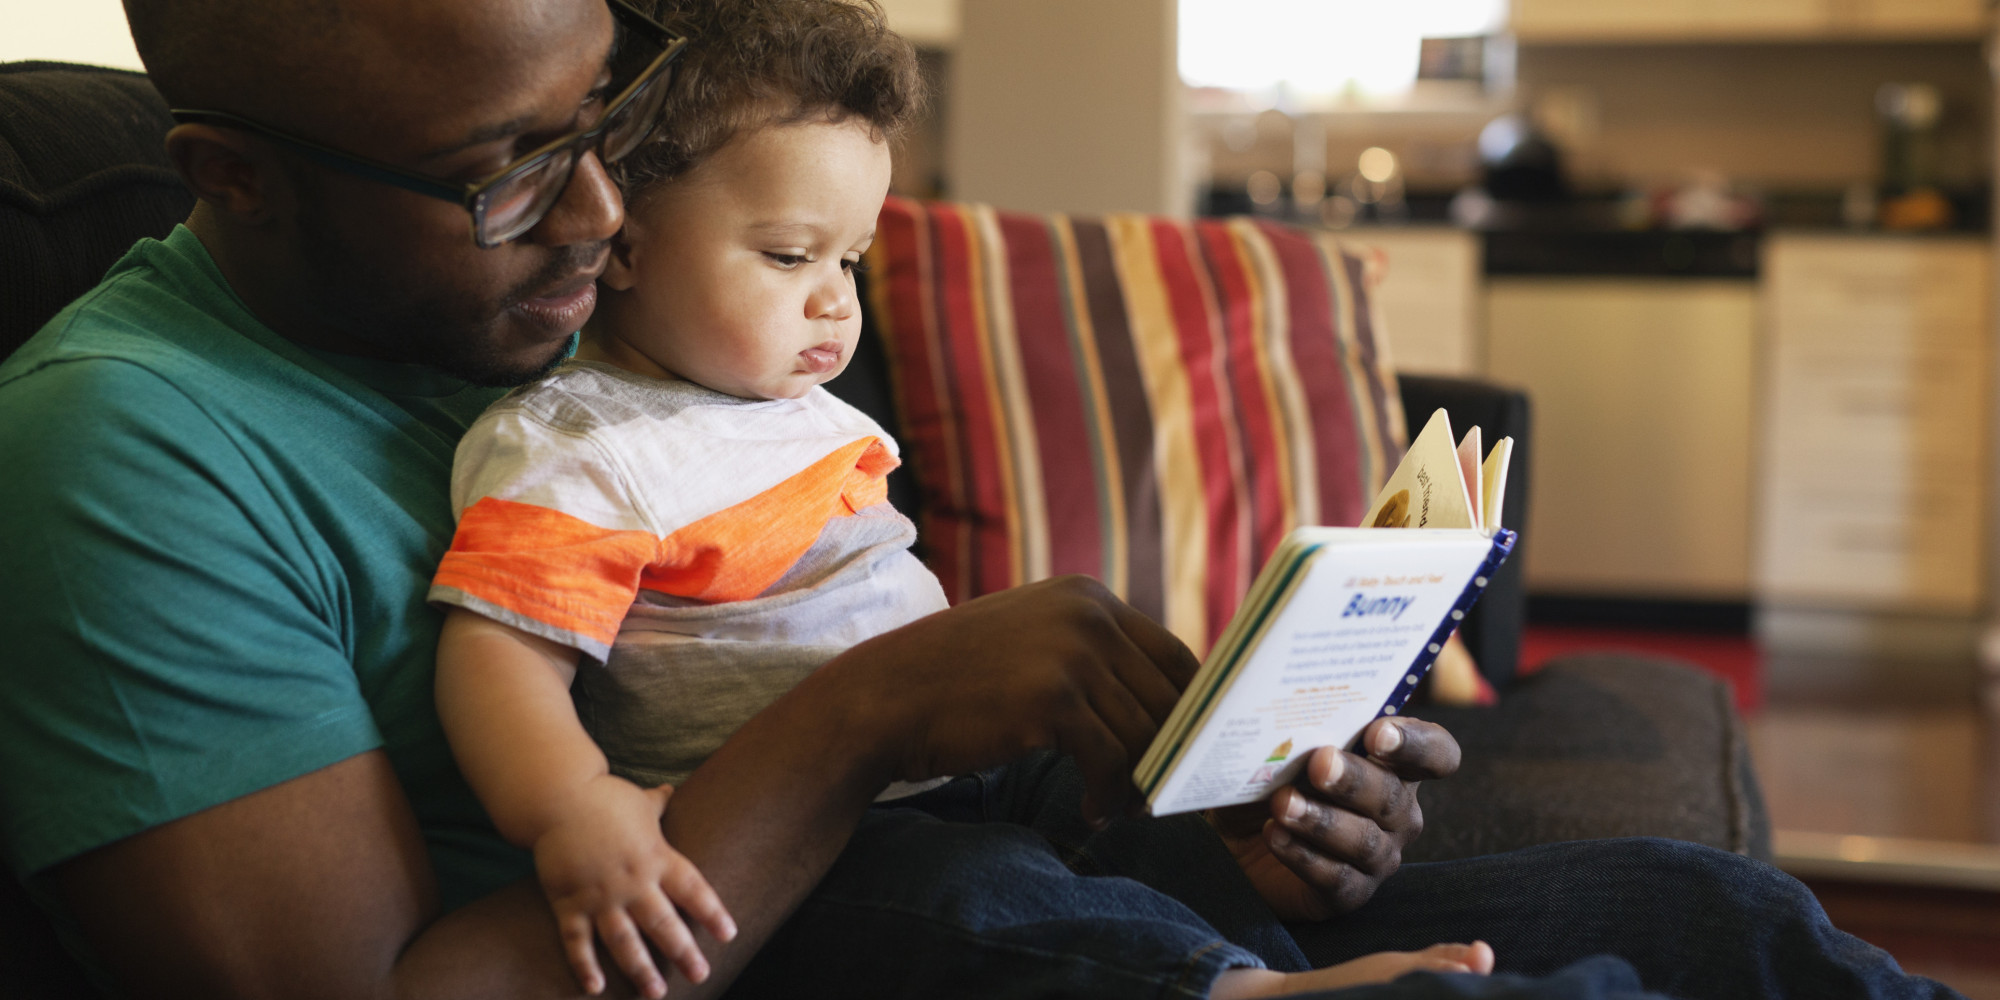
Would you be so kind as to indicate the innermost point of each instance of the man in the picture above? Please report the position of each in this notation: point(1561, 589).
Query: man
point(227, 485)
point(224, 776)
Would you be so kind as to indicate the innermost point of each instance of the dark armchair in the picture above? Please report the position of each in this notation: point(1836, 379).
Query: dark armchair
point(1590, 747)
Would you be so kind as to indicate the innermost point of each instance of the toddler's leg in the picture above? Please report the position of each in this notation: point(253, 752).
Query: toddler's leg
point(919, 907)
point(1692, 920)
point(1178, 856)
point(1381, 967)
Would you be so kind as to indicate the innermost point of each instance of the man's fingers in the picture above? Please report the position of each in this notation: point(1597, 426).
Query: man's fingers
point(1343, 886)
point(1416, 750)
point(687, 889)
point(1119, 709)
point(628, 950)
point(579, 943)
point(1163, 649)
point(1358, 785)
point(1101, 758)
point(662, 925)
point(1339, 835)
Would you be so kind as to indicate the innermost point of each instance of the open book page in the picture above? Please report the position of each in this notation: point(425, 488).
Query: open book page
point(1338, 628)
point(1493, 476)
point(1427, 490)
point(1438, 486)
point(1468, 468)
point(1348, 625)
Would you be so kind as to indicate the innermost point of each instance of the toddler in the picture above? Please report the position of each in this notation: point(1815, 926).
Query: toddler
point(673, 528)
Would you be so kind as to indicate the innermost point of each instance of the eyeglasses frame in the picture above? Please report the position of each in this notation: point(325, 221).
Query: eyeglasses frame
point(472, 195)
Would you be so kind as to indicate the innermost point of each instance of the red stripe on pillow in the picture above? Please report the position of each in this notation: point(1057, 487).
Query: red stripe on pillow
point(961, 307)
point(1131, 417)
point(1337, 445)
point(1042, 330)
point(1214, 424)
point(1243, 304)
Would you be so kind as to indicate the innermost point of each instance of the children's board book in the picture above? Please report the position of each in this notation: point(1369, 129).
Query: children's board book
point(1337, 629)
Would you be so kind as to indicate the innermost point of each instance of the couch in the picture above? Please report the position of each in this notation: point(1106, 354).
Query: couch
point(1591, 746)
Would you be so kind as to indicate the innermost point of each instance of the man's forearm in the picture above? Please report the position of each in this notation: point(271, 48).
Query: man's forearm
point(765, 815)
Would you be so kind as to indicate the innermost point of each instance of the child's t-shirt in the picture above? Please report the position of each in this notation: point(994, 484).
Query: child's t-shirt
point(706, 551)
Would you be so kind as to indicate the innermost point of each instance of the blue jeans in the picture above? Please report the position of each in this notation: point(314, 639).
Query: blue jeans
point(992, 886)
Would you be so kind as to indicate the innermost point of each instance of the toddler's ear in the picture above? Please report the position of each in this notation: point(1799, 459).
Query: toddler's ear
point(620, 273)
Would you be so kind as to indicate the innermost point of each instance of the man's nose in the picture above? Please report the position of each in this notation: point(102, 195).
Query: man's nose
point(590, 209)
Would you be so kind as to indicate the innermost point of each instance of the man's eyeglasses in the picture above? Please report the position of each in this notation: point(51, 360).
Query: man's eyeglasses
point(512, 201)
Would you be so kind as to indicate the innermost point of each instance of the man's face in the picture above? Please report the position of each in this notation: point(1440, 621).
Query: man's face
point(458, 90)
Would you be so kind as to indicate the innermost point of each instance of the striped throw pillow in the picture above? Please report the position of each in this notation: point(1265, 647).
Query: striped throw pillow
point(1149, 401)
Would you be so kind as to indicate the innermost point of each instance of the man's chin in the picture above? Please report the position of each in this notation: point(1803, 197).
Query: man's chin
point(502, 372)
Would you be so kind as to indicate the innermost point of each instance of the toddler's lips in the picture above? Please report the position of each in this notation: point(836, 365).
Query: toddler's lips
point(822, 359)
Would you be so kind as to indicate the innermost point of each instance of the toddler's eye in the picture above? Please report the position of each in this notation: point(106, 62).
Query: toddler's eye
point(787, 260)
point(856, 266)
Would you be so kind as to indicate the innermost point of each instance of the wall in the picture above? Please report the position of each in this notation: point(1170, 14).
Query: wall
point(85, 31)
point(1785, 116)
point(1063, 106)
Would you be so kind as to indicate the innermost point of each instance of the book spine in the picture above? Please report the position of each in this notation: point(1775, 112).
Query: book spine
point(1503, 546)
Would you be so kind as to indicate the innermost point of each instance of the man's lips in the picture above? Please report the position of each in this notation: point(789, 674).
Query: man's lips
point(566, 307)
point(822, 358)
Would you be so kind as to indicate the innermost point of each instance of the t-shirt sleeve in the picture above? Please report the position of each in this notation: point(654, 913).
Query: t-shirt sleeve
point(172, 643)
point(549, 539)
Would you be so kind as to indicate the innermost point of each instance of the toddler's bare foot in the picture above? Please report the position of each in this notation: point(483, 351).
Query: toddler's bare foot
point(1239, 984)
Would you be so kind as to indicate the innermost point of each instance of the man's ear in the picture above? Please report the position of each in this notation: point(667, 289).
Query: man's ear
point(231, 171)
point(621, 270)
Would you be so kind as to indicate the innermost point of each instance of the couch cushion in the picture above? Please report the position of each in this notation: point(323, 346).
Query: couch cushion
point(1597, 745)
point(1152, 402)
point(83, 176)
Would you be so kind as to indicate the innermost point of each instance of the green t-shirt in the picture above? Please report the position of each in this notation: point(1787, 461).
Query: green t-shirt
point(214, 550)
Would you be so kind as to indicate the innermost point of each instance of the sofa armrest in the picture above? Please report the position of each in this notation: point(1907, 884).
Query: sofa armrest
point(1596, 745)
point(1493, 630)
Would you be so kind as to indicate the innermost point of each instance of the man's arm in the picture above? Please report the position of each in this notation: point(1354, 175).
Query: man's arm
point(320, 885)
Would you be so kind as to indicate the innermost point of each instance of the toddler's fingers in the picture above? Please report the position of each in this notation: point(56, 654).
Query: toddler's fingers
point(628, 949)
point(657, 917)
point(684, 884)
point(1476, 957)
point(579, 943)
point(1481, 958)
point(660, 794)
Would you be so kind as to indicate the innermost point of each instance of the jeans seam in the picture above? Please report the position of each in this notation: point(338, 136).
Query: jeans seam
point(1177, 984)
point(1192, 968)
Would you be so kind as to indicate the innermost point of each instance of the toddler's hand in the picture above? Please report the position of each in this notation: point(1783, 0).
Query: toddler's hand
point(609, 873)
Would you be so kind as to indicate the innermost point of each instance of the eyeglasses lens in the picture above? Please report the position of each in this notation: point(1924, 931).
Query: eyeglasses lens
point(516, 204)
point(631, 124)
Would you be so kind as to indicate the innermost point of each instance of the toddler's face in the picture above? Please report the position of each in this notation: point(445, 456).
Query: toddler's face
point(737, 274)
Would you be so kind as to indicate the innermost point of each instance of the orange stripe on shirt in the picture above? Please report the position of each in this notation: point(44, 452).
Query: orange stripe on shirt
point(737, 553)
point(546, 565)
point(570, 574)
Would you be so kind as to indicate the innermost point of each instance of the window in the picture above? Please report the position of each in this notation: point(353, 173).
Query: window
point(1320, 50)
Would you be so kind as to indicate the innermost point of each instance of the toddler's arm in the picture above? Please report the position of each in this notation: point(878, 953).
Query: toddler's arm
point(503, 696)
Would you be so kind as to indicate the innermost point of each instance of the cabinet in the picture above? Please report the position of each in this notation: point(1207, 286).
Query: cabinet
point(1746, 20)
point(1642, 396)
point(1428, 296)
point(1873, 482)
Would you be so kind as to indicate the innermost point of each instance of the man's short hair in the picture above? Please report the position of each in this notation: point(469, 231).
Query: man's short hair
point(751, 63)
point(212, 53)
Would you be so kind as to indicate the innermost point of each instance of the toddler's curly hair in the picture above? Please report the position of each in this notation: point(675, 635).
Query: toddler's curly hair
point(753, 63)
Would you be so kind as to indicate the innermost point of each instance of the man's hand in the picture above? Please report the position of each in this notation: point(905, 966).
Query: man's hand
point(1061, 663)
point(1320, 847)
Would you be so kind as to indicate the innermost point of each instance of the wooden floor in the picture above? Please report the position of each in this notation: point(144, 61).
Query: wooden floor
point(1909, 752)
point(1950, 935)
